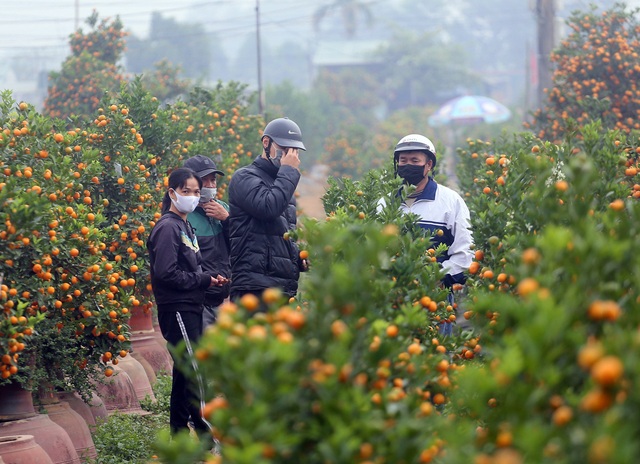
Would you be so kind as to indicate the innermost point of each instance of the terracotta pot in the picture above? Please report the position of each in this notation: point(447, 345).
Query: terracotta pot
point(151, 374)
point(22, 449)
point(119, 394)
point(138, 376)
point(53, 439)
point(16, 403)
point(61, 413)
point(94, 408)
point(158, 333)
point(78, 405)
point(97, 407)
point(141, 319)
point(158, 356)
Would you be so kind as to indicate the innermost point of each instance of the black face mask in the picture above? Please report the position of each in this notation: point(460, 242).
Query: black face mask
point(411, 174)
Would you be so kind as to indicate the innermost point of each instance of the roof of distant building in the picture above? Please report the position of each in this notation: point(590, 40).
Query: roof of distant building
point(346, 52)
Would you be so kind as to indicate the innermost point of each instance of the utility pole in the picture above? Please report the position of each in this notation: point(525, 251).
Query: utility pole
point(530, 82)
point(77, 18)
point(260, 93)
point(545, 16)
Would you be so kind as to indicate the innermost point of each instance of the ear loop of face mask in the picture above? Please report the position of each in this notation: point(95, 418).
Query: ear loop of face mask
point(279, 152)
point(267, 149)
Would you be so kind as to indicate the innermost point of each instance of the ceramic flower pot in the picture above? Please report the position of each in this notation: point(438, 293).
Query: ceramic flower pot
point(52, 438)
point(78, 405)
point(61, 413)
point(16, 403)
point(139, 378)
point(119, 394)
point(22, 449)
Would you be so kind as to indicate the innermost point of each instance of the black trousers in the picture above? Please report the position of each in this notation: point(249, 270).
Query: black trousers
point(262, 308)
point(185, 395)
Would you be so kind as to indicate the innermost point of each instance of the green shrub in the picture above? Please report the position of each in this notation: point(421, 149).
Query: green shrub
point(162, 392)
point(130, 438)
point(127, 438)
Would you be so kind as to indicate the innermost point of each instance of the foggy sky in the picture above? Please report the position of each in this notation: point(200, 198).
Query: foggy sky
point(45, 25)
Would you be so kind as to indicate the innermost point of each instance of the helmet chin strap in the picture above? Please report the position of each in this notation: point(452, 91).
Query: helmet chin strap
point(267, 149)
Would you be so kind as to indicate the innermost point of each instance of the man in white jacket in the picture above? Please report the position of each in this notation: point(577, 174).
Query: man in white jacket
point(441, 210)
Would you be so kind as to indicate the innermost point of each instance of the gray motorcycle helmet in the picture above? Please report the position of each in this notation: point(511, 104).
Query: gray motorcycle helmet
point(285, 133)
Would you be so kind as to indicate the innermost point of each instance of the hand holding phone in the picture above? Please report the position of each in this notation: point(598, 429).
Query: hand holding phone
point(290, 158)
point(218, 281)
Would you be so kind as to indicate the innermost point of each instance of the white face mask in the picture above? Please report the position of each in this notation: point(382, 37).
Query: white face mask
point(185, 203)
point(207, 194)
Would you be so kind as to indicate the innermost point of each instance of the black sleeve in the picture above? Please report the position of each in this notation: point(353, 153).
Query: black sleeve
point(166, 248)
point(264, 201)
point(225, 232)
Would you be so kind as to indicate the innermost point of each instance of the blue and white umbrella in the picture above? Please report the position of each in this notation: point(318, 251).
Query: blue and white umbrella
point(470, 109)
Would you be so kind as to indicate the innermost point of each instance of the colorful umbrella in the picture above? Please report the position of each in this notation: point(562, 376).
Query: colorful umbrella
point(470, 109)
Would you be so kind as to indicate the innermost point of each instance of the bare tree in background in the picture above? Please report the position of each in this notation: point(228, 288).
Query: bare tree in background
point(350, 10)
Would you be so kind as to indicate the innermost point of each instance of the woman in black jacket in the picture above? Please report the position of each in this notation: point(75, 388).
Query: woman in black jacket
point(179, 287)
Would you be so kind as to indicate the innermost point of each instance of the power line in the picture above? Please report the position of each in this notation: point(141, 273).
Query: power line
point(232, 31)
point(227, 30)
point(147, 12)
point(246, 16)
point(137, 13)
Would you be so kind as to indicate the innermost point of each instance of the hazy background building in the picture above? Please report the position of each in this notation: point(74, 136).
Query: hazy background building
point(495, 40)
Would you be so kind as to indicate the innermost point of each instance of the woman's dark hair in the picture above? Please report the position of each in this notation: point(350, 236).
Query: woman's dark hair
point(178, 179)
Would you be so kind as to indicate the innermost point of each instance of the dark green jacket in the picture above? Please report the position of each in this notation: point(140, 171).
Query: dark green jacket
point(213, 238)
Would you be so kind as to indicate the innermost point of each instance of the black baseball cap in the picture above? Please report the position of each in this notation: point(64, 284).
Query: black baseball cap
point(202, 165)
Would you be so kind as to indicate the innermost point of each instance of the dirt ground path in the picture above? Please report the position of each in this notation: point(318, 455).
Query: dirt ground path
point(311, 188)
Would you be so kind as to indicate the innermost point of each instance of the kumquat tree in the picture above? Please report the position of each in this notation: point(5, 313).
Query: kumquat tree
point(540, 368)
point(596, 69)
point(91, 70)
point(542, 365)
point(54, 257)
point(78, 204)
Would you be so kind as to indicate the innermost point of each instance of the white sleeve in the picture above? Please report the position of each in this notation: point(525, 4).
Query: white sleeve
point(460, 253)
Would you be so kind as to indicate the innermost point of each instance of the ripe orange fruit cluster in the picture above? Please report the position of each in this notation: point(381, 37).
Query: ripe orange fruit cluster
point(597, 60)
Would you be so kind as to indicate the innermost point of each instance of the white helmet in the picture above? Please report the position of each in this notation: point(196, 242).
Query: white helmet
point(415, 142)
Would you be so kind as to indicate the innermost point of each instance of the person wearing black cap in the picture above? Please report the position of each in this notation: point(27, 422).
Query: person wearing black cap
point(210, 222)
point(262, 211)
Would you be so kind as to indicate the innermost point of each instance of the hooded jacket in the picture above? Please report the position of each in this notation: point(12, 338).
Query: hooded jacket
point(213, 239)
point(261, 209)
point(177, 278)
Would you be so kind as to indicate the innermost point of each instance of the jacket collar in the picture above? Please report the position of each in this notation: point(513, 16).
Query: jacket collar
point(266, 166)
point(173, 215)
point(429, 192)
point(199, 211)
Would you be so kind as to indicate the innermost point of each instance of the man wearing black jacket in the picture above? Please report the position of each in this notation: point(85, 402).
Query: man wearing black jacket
point(262, 209)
